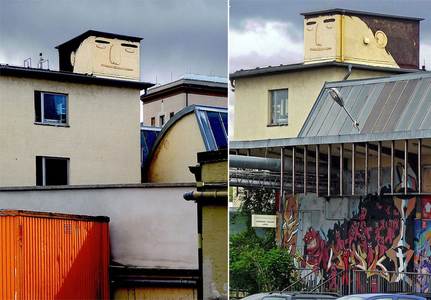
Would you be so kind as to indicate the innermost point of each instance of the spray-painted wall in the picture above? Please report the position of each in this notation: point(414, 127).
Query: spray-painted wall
point(375, 234)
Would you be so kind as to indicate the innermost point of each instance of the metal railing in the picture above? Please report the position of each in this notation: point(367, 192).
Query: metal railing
point(390, 282)
point(306, 282)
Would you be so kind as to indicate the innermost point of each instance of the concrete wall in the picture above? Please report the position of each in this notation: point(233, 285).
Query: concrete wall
point(160, 107)
point(214, 250)
point(177, 102)
point(102, 140)
point(251, 116)
point(176, 152)
point(151, 227)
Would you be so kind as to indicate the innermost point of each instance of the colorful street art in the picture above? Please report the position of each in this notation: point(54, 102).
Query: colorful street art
point(422, 258)
point(378, 238)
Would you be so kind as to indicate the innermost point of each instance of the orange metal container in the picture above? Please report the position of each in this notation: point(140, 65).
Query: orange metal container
point(53, 256)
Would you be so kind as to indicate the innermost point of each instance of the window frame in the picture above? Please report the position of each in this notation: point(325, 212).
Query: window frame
point(43, 157)
point(48, 122)
point(162, 120)
point(270, 105)
point(153, 121)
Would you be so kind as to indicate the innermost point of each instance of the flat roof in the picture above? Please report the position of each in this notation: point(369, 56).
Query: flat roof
point(196, 84)
point(269, 70)
point(78, 39)
point(342, 11)
point(64, 76)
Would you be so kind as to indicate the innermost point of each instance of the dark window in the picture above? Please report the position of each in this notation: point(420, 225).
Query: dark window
point(50, 108)
point(161, 120)
point(153, 121)
point(171, 114)
point(278, 107)
point(52, 171)
point(217, 128)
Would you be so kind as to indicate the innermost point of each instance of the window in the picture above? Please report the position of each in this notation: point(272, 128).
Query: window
point(52, 171)
point(161, 120)
point(214, 128)
point(171, 114)
point(153, 121)
point(278, 107)
point(50, 108)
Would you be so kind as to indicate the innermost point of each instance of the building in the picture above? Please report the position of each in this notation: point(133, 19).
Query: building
point(162, 102)
point(353, 201)
point(78, 125)
point(194, 129)
point(211, 198)
point(273, 102)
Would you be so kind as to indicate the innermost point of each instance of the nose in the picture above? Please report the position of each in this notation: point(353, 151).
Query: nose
point(317, 35)
point(115, 55)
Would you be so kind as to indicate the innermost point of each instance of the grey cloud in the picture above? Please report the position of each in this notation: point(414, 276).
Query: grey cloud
point(179, 36)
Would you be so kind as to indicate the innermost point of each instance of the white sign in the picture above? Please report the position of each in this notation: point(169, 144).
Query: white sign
point(267, 221)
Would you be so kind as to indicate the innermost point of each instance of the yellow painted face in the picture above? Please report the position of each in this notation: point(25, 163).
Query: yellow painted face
point(320, 37)
point(362, 45)
point(107, 57)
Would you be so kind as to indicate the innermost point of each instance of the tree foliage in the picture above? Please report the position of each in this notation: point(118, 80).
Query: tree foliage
point(256, 264)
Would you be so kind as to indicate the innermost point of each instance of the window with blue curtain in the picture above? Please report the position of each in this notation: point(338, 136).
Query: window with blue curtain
point(51, 108)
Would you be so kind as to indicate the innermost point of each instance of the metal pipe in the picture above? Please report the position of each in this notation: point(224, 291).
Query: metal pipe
point(406, 157)
point(366, 168)
point(305, 169)
point(353, 168)
point(293, 170)
point(392, 166)
point(419, 165)
point(329, 170)
point(317, 170)
point(254, 162)
point(341, 168)
point(379, 166)
point(281, 179)
point(195, 195)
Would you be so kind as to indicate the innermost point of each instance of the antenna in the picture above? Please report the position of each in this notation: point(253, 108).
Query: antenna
point(27, 62)
point(42, 61)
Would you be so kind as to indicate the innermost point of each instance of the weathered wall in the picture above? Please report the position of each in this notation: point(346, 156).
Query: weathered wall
point(251, 116)
point(214, 250)
point(154, 109)
point(102, 140)
point(152, 227)
point(176, 152)
point(177, 102)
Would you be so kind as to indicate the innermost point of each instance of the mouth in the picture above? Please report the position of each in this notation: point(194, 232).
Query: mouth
point(320, 48)
point(116, 67)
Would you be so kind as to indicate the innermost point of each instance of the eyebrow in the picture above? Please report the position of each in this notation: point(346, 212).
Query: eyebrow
point(329, 20)
point(129, 45)
point(102, 42)
point(311, 23)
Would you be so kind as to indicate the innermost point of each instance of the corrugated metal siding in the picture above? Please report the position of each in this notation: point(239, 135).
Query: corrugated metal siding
point(53, 258)
point(398, 103)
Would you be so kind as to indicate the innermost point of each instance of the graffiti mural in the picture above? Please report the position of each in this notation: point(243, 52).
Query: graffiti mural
point(378, 238)
point(422, 256)
point(289, 228)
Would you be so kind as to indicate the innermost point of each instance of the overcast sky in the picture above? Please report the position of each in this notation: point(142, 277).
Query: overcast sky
point(180, 36)
point(270, 32)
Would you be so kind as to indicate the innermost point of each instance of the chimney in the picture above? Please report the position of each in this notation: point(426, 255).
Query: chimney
point(361, 38)
point(102, 54)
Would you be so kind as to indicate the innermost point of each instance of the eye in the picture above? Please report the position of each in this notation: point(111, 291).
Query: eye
point(311, 23)
point(329, 23)
point(130, 48)
point(101, 44)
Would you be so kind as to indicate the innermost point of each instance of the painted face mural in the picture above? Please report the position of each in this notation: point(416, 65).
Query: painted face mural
point(107, 57)
point(347, 39)
point(320, 37)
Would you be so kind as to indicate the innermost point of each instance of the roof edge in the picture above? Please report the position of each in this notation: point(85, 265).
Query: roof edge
point(358, 12)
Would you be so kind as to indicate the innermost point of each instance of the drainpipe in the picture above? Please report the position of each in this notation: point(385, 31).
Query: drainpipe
point(232, 83)
point(191, 196)
point(349, 72)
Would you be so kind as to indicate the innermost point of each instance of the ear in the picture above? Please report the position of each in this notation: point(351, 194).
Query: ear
point(72, 58)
